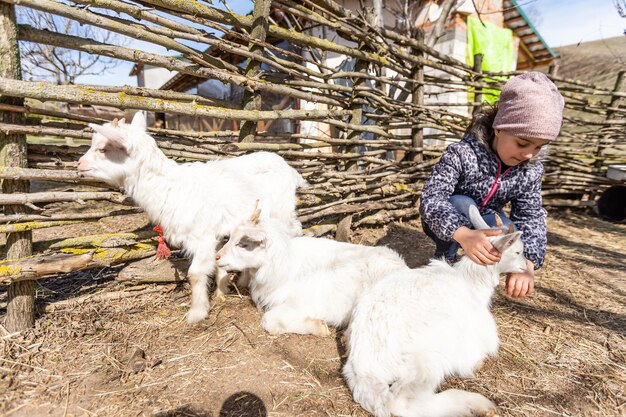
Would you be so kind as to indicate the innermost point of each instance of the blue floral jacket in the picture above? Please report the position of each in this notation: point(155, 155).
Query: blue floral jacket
point(470, 168)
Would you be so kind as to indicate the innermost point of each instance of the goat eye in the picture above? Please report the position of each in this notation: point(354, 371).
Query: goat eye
point(242, 244)
point(101, 150)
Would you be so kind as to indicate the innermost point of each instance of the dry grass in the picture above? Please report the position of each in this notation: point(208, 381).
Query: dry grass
point(596, 62)
point(563, 350)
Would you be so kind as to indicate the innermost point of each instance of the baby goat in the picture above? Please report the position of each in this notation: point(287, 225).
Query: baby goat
point(411, 330)
point(303, 283)
point(196, 203)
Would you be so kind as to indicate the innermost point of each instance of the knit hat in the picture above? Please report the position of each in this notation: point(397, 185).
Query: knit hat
point(530, 106)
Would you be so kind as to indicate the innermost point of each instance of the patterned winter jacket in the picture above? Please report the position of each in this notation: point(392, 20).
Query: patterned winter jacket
point(471, 168)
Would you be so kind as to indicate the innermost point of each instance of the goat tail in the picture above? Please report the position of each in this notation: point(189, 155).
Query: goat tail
point(448, 403)
point(300, 181)
point(371, 393)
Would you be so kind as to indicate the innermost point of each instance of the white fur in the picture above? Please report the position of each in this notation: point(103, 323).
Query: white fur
point(414, 328)
point(197, 203)
point(304, 283)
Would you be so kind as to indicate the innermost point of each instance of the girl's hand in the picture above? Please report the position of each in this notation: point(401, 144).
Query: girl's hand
point(521, 284)
point(477, 246)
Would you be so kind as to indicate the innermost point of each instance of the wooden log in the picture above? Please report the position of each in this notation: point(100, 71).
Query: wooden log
point(13, 152)
point(79, 94)
point(252, 100)
point(106, 296)
point(386, 216)
point(107, 240)
point(52, 196)
point(17, 173)
point(70, 260)
point(28, 226)
point(21, 218)
point(417, 98)
point(151, 270)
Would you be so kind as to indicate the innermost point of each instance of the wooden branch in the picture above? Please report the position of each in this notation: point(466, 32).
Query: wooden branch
point(69, 260)
point(107, 240)
point(171, 63)
point(42, 175)
point(79, 94)
point(246, 22)
point(21, 218)
point(32, 225)
point(118, 25)
point(48, 197)
point(106, 296)
point(42, 131)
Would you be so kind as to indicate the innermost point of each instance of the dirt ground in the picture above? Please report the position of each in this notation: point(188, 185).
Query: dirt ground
point(563, 350)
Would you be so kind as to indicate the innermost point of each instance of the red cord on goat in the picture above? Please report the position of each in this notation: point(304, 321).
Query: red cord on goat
point(162, 252)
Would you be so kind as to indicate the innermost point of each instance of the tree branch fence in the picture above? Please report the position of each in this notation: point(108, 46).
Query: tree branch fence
point(375, 128)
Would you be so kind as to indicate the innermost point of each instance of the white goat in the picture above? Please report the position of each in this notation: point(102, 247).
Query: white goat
point(303, 283)
point(411, 330)
point(197, 203)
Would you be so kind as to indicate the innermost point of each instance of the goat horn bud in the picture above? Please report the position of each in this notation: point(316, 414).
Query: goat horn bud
point(114, 122)
point(511, 230)
point(498, 220)
point(122, 121)
point(254, 219)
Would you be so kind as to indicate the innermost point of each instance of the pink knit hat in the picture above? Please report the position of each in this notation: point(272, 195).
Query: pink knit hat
point(530, 106)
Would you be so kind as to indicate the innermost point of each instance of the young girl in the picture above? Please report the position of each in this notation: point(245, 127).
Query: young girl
point(495, 164)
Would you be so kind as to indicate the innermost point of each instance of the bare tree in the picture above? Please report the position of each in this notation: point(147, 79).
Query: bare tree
point(620, 5)
point(59, 65)
point(534, 14)
point(414, 13)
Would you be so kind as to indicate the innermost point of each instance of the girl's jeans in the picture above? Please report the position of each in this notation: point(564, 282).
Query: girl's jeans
point(447, 249)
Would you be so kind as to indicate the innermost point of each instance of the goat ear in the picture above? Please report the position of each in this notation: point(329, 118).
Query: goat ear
point(505, 242)
point(139, 121)
point(476, 219)
point(112, 135)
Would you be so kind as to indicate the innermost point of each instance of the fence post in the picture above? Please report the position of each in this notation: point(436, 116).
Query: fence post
point(478, 91)
point(252, 100)
point(417, 75)
point(610, 115)
point(360, 66)
point(21, 295)
point(553, 69)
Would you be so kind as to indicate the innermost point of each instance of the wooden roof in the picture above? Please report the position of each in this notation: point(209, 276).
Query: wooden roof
point(530, 39)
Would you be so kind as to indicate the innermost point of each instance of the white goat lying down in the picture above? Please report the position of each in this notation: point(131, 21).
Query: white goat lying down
point(197, 203)
point(303, 283)
point(411, 330)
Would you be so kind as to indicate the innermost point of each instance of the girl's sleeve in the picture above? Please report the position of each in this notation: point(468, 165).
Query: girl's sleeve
point(435, 209)
point(530, 217)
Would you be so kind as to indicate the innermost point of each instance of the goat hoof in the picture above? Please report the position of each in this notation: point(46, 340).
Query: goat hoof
point(194, 315)
point(322, 329)
point(492, 412)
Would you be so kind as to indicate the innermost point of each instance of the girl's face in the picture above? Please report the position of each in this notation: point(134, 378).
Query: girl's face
point(513, 150)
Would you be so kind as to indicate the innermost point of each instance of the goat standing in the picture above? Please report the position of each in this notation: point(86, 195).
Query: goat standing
point(196, 203)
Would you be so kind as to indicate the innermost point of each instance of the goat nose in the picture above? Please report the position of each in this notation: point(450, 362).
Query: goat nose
point(217, 256)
